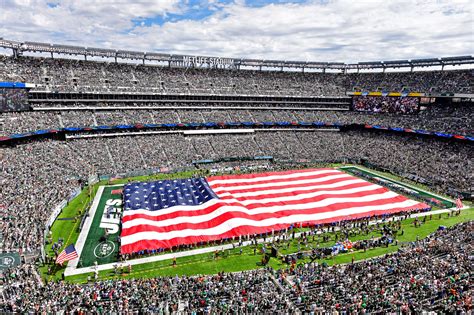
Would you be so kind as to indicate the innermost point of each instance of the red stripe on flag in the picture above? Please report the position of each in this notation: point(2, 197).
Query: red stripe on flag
point(321, 195)
point(129, 215)
point(257, 217)
point(283, 185)
point(218, 205)
point(246, 230)
point(296, 192)
point(263, 181)
point(259, 175)
point(62, 258)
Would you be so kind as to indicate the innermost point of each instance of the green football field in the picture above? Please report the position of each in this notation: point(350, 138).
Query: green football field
point(104, 251)
point(95, 249)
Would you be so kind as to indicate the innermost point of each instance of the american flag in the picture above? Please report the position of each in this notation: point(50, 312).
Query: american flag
point(168, 213)
point(67, 254)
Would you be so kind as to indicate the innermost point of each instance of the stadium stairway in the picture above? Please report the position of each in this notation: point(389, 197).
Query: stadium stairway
point(290, 299)
point(112, 161)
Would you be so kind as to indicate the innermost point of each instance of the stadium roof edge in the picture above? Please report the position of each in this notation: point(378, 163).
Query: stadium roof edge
point(20, 47)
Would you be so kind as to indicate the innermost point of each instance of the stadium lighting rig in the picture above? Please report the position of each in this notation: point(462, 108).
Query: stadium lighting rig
point(173, 60)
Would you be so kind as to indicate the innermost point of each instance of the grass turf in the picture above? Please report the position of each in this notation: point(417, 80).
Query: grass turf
point(205, 263)
point(68, 230)
point(88, 255)
point(401, 180)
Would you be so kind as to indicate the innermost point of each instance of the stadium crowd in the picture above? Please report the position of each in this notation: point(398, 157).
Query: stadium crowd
point(456, 119)
point(247, 292)
point(76, 76)
point(434, 274)
point(37, 175)
point(92, 76)
point(386, 104)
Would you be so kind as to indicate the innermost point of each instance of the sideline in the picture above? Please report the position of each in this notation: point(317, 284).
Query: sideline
point(399, 182)
point(77, 271)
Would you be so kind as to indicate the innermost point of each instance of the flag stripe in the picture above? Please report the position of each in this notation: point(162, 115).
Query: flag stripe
point(271, 179)
point(258, 208)
point(148, 240)
point(255, 177)
point(297, 182)
point(67, 254)
point(248, 204)
point(216, 218)
point(291, 187)
point(290, 192)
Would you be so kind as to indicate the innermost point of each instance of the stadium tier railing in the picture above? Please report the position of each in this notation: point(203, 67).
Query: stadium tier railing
point(220, 125)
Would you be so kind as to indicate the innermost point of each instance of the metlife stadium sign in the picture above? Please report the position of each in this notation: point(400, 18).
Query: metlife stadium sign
point(211, 61)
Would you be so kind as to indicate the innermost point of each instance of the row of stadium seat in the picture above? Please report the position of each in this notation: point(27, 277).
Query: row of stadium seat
point(77, 75)
point(450, 119)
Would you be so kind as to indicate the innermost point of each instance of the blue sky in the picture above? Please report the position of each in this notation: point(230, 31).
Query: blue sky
point(321, 30)
point(198, 10)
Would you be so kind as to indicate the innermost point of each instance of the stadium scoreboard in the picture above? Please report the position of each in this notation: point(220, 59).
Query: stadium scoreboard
point(386, 104)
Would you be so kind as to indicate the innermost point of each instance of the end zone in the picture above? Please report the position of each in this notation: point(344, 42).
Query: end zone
point(91, 246)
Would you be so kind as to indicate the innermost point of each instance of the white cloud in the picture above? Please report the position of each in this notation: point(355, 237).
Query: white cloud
point(337, 30)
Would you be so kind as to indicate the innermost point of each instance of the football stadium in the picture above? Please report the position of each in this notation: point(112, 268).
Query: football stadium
point(141, 180)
